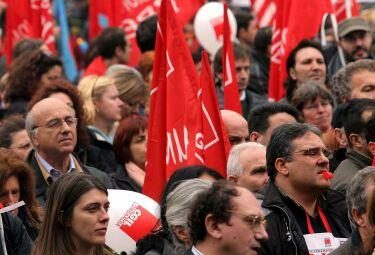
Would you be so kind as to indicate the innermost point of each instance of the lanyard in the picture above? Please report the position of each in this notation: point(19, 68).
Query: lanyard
point(323, 219)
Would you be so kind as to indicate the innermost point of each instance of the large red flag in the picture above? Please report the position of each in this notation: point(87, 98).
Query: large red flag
point(215, 140)
point(231, 95)
point(128, 14)
point(345, 9)
point(264, 11)
point(295, 20)
point(28, 19)
point(174, 120)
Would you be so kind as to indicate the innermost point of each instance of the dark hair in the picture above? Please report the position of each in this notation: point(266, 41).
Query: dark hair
point(146, 34)
point(64, 86)
point(352, 116)
point(243, 18)
point(370, 129)
point(108, 40)
point(258, 119)
point(263, 39)
point(240, 51)
point(9, 126)
point(127, 129)
point(55, 236)
point(337, 121)
point(310, 91)
point(217, 201)
point(290, 84)
point(25, 74)
point(13, 166)
point(26, 45)
point(281, 143)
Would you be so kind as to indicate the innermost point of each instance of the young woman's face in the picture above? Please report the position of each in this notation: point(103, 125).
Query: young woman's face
point(138, 148)
point(109, 105)
point(89, 220)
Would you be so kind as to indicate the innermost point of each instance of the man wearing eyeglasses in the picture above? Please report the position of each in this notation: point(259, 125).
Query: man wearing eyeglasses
point(226, 220)
point(298, 196)
point(51, 126)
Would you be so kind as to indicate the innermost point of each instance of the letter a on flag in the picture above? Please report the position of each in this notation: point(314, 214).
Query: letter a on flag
point(231, 95)
point(174, 107)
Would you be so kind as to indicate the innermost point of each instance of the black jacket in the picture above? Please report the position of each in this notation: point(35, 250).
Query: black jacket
point(17, 240)
point(123, 181)
point(285, 235)
point(42, 186)
point(107, 155)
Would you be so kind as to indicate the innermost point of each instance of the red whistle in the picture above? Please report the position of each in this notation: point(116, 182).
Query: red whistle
point(327, 175)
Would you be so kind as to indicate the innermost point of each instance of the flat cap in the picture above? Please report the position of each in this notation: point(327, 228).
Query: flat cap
point(352, 24)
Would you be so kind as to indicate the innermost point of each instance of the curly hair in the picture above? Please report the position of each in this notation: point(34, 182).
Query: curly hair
point(13, 166)
point(64, 86)
point(25, 75)
point(217, 201)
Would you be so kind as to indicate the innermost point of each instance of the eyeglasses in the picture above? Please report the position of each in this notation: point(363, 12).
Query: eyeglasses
point(315, 152)
point(253, 221)
point(57, 123)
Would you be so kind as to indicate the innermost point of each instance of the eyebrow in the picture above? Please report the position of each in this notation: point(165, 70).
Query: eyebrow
point(259, 170)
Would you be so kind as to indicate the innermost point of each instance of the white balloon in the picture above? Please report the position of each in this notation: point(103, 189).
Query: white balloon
point(131, 214)
point(208, 25)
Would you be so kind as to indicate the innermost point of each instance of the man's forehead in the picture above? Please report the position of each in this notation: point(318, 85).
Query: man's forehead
point(309, 139)
point(53, 111)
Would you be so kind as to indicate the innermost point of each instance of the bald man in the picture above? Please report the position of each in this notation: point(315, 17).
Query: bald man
point(236, 127)
point(52, 127)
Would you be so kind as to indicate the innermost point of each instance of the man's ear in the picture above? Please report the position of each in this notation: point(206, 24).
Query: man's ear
point(371, 147)
point(232, 178)
point(340, 137)
point(356, 140)
point(213, 227)
point(292, 73)
point(280, 165)
point(255, 137)
point(358, 218)
point(182, 234)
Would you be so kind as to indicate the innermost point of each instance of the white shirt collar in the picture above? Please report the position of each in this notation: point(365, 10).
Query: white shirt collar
point(48, 167)
point(195, 251)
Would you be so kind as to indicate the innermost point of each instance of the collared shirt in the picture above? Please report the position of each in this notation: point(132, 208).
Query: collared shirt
point(55, 173)
point(195, 251)
point(101, 136)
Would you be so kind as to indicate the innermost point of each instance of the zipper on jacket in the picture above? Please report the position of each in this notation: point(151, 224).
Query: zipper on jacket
point(288, 228)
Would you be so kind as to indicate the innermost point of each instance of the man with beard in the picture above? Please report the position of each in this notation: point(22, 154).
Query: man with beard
point(355, 40)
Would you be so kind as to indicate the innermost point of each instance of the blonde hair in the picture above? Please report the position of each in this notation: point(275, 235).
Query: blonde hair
point(129, 83)
point(92, 88)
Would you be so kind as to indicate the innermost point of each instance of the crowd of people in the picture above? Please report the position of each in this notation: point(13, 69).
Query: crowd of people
point(298, 167)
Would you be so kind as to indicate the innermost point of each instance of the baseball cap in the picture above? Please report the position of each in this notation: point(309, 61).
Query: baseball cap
point(352, 24)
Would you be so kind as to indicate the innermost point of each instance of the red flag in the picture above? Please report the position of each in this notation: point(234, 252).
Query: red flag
point(128, 14)
point(215, 140)
point(231, 95)
point(295, 20)
point(174, 108)
point(264, 11)
point(28, 19)
point(344, 9)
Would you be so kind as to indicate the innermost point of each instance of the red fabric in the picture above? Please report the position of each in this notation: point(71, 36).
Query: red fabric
point(295, 20)
point(96, 67)
point(231, 95)
point(341, 13)
point(215, 139)
point(129, 15)
point(264, 11)
point(174, 106)
point(28, 19)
